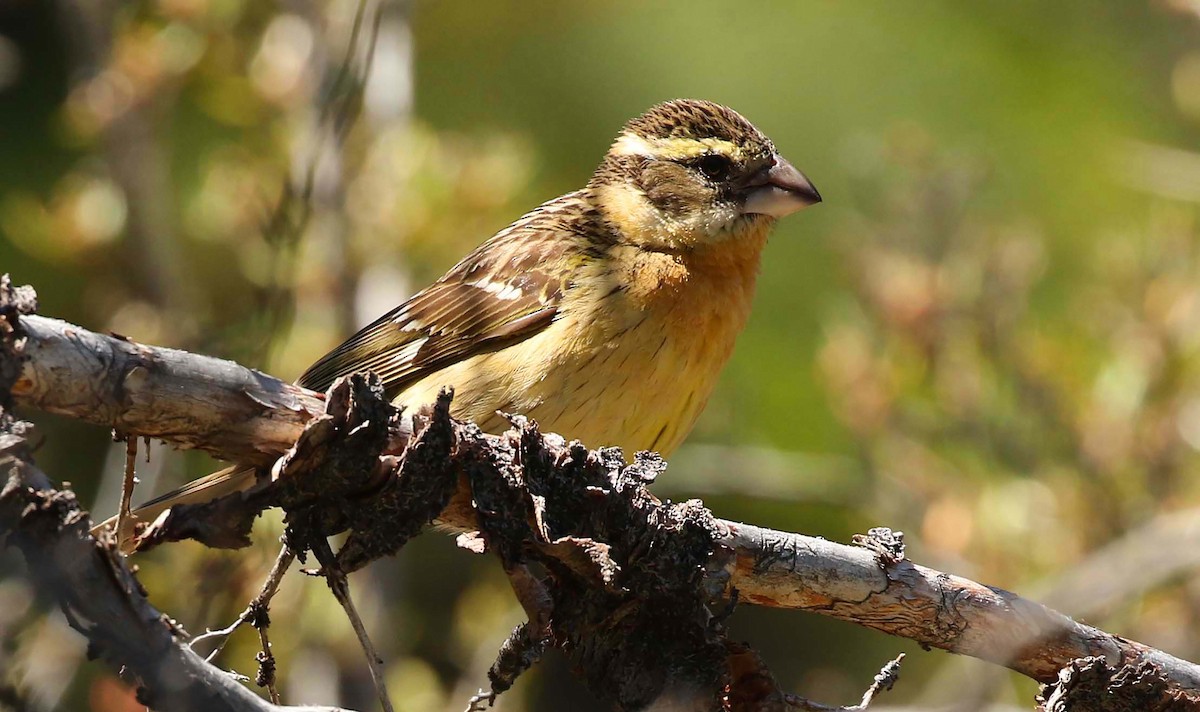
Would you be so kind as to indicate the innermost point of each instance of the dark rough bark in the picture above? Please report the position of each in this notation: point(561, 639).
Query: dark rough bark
point(1092, 685)
point(624, 585)
point(625, 572)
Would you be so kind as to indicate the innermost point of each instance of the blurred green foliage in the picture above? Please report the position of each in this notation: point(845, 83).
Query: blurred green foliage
point(986, 336)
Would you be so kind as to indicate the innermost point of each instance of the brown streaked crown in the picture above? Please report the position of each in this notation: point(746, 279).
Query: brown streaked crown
point(698, 119)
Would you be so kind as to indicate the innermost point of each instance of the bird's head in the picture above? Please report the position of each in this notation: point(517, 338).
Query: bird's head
point(688, 173)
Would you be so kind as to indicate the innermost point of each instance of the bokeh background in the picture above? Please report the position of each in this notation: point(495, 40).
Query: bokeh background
point(986, 336)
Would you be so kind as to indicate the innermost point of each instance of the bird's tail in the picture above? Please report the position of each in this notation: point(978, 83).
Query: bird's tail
point(218, 484)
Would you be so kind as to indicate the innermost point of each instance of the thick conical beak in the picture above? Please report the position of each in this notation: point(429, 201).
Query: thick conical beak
point(780, 190)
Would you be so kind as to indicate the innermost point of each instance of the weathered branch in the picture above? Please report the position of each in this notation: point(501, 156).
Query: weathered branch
point(936, 609)
point(88, 579)
point(245, 416)
point(190, 401)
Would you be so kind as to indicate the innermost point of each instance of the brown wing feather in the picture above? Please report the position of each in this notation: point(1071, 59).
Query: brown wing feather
point(508, 289)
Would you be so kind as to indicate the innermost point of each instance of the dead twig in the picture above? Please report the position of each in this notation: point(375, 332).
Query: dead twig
point(257, 614)
point(885, 679)
point(127, 485)
point(481, 701)
point(336, 580)
point(261, 620)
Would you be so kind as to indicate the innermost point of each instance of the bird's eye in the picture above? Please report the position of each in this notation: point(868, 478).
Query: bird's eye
point(714, 166)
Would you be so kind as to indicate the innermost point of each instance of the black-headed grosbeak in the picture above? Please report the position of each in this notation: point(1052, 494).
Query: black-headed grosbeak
point(605, 314)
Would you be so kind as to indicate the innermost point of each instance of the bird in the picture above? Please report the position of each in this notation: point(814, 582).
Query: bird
point(606, 314)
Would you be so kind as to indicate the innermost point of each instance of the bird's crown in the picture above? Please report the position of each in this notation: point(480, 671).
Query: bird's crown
point(687, 128)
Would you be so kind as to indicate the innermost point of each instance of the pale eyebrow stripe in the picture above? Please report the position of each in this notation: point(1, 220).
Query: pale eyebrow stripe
point(629, 144)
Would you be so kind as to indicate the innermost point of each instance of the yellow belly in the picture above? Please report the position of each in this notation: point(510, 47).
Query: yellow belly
point(632, 369)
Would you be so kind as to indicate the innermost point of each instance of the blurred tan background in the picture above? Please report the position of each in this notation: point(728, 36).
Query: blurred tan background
point(986, 336)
